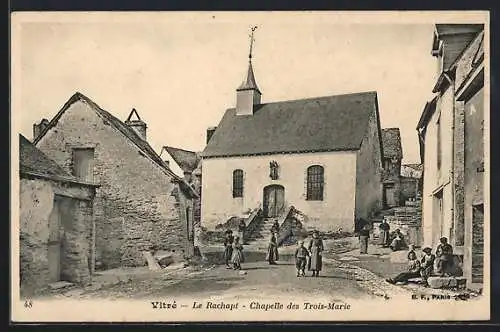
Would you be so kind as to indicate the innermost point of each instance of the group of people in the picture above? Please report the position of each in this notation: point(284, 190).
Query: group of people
point(428, 265)
point(233, 251)
point(395, 240)
point(310, 257)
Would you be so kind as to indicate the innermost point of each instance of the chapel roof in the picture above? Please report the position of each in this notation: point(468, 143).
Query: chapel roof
point(332, 123)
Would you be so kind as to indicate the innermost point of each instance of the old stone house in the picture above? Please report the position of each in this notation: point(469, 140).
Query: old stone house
point(141, 205)
point(393, 154)
point(55, 223)
point(451, 131)
point(321, 155)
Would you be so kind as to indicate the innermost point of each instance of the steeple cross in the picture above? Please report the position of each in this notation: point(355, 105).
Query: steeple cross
point(252, 39)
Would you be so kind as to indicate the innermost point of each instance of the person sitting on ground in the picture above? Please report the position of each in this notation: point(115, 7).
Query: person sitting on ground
point(444, 257)
point(301, 255)
point(426, 264)
point(413, 270)
point(411, 249)
point(397, 242)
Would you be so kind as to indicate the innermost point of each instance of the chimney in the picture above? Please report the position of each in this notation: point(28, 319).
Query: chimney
point(187, 176)
point(38, 128)
point(137, 125)
point(210, 133)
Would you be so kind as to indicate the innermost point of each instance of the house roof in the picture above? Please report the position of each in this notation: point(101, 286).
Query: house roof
point(391, 140)
point(333, 123)
point(458, 37)
point(32, 161)
point(187, 160)
point(429, 109)
point(128, 132)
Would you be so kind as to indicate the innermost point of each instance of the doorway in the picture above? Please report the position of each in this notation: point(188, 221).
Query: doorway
point(437, 218)
point(55, 241)
point(274, 200)
point(390, 195)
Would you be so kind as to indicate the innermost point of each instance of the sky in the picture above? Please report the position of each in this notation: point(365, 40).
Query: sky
point(181, 72)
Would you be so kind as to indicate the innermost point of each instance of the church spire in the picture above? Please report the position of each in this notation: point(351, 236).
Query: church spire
point(248, 93)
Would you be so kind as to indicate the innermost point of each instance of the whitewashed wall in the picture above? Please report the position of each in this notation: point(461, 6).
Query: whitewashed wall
point(433, 179)
point(336, 209)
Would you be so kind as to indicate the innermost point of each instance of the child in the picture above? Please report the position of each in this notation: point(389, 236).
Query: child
point(301, 255)
point(237, 257)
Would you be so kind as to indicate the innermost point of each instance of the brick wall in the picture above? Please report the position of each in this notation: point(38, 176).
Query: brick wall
point(137, 207)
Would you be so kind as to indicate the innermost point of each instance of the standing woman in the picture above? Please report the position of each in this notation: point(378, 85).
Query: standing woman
point(228, 247)
point(237, 257)
point(315, 248)
point(272, 252)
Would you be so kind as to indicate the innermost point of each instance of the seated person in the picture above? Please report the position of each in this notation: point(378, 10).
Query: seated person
point(427, 264)
point(444, 257)
point(413, 270)
point(397, 241)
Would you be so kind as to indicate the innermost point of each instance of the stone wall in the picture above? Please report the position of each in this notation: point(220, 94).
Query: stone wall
point(36, 205)
point(137, 206)
point(368, 175)
point(408, 188)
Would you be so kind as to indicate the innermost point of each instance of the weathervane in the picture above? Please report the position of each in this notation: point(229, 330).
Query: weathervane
point(252, 39)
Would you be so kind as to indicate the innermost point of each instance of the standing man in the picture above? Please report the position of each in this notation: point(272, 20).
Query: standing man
point(384, 233)
point(364, 235)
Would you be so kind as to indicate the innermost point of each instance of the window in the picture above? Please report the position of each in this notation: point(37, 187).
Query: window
point(83, 164)
point(237, 183)
point(439, 143)
point(315, 183)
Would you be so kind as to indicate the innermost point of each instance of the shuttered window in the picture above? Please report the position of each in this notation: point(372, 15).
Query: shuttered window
point(315, 183)
point(238, 183)
point(83, 164)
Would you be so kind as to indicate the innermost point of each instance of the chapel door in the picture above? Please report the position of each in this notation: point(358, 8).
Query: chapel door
point(477, 243)
point(274, 200)
point(54, 244)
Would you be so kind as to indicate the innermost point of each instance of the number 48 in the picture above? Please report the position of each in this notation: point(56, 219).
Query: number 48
point(28, 304)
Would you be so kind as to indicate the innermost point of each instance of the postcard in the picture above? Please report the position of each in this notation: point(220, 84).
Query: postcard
point(250, 166)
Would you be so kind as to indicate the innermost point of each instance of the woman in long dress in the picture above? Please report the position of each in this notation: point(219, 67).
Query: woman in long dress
point(228, 248)
point(272, 251)
point(315, 248)
point(237, 257)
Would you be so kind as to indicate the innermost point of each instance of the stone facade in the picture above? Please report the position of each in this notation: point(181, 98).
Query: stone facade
point(139, 206)
point(458, 212)
point(38, 197)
